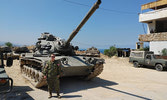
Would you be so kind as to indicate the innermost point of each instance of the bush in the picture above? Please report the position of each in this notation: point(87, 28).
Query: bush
point(164, 52)
point(146, 48)
point(112, 51)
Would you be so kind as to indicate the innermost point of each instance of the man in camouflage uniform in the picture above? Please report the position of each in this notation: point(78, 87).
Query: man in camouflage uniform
point(52, 72)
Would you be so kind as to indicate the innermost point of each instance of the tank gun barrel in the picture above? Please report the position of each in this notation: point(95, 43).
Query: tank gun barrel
point(88, 15)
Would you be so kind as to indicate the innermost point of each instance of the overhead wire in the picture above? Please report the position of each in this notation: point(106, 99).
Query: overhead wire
point(109, 10)
point(76, 3)
point(87, 44)
point(105, 9)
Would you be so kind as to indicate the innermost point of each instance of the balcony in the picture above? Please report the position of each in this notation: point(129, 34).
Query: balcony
point(153, 15)
point(153, 37)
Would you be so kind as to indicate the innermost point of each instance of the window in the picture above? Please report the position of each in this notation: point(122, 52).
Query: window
point(139, 54)
point(161, 26)
point(148, 57)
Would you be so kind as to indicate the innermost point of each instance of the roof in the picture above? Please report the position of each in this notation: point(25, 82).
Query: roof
point(155, 5)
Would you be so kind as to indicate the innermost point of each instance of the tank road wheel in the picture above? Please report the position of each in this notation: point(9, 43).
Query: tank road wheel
point(97, 70)
point(39, 81)
point(31, 72)
point(159, 67)
point(33, 75)
point(26, 70)
point(136, 64)
point(37, 77)
point(22, 69)
point(40, 76)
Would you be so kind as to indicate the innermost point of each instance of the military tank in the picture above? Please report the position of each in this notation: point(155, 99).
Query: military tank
point(94, 52)
point(6, 83)
point(7, 52)
point(17, 51)
point(32, 64)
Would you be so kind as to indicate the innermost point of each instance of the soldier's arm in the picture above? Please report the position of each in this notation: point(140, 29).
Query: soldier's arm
point(45, 70)
point(59, 67)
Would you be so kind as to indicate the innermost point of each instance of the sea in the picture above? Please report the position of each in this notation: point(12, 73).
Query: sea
point(101, 50)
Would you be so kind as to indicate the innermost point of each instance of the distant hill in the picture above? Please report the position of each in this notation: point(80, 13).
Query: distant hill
point(2, 43)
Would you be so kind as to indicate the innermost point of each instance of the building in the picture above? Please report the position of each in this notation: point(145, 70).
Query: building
point(154, 14)
point(123, 52)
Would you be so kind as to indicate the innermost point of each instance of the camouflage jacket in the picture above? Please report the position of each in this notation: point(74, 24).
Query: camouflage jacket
point(52, 69)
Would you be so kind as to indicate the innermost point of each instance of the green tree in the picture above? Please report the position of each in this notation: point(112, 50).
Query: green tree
point(112, 51)
point(9, 44)
point(164, 52)
point(146, 48)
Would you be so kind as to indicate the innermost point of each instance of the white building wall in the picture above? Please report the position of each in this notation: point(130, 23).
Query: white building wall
point(157, 46)
point(153, 15)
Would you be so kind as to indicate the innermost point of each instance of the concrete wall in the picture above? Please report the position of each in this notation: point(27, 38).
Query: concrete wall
point(153, 15)
point(157, 46)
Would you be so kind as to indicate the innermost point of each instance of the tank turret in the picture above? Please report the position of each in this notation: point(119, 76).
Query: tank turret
point(48, 43)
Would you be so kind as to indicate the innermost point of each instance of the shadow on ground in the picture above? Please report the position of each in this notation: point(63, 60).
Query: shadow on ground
point(18, 93)
point(73, 84)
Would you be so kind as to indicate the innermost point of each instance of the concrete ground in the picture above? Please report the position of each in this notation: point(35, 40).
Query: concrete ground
point(119, 81)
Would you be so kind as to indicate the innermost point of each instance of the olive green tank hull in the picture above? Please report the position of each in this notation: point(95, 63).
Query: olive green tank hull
point(31, 68)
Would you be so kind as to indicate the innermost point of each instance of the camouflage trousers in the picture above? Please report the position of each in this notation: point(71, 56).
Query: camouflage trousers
point(53, 84)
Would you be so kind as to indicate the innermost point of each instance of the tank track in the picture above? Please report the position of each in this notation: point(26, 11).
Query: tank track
point(34, 76)
point(97, 70)
point(31, 74)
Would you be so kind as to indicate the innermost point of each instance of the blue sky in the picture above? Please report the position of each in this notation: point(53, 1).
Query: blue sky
point(23, 21)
